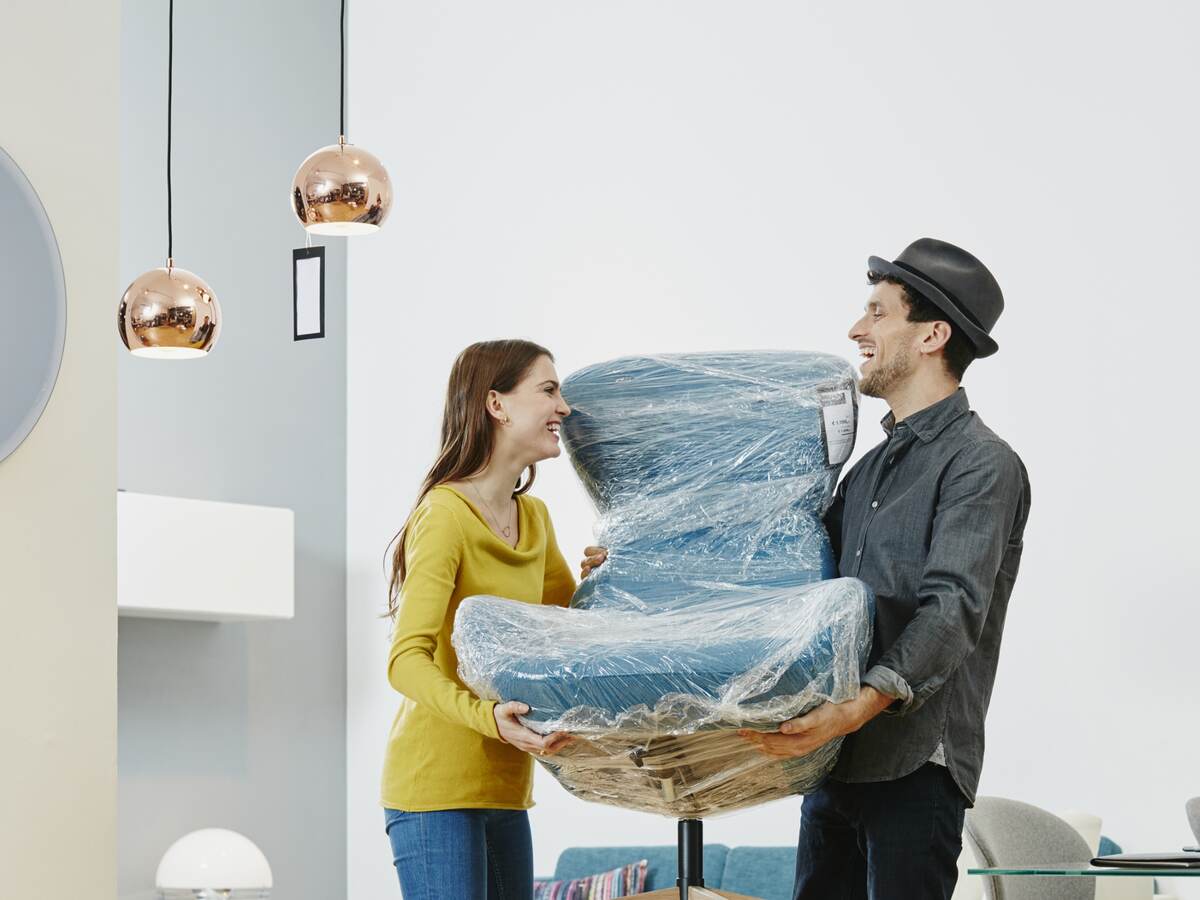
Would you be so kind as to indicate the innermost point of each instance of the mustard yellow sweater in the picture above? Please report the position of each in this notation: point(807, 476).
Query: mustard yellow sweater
point(443, 751)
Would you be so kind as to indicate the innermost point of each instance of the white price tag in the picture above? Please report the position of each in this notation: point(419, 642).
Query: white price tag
point(837, 410)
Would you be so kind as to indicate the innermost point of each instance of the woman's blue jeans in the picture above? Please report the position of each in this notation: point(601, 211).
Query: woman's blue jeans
point(467, 854)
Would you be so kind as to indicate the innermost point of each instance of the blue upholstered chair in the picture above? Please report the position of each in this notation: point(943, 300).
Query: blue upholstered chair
point(717, 608)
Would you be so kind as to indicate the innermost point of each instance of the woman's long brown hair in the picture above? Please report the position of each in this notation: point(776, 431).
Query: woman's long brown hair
point(468, 438)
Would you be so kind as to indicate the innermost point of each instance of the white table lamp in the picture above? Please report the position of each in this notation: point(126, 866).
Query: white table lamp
point(213, 864)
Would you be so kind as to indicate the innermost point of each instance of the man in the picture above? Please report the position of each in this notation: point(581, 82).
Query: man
point(932, 519)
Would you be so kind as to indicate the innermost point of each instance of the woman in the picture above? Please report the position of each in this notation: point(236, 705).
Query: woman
point(457, 774)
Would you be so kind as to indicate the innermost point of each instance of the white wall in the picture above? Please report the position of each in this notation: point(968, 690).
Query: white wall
point(58, 641)
point(627, 177)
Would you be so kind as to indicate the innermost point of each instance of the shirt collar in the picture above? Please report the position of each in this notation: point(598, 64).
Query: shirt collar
point(931, 421)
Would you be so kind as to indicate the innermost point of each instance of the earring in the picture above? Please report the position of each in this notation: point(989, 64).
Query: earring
point(507, 420)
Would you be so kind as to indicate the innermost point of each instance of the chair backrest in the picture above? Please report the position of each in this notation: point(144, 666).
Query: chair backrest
point(709, 469)
point(1010, 833)
point(1087, 824)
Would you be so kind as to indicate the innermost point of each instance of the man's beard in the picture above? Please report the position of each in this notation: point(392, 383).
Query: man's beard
point(882, 379)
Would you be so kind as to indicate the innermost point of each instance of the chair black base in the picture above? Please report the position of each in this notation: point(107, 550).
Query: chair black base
point(691, 856)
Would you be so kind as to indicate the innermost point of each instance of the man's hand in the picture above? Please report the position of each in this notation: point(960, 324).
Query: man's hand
point(803, 735)
point(593, 558)
point(513, 732)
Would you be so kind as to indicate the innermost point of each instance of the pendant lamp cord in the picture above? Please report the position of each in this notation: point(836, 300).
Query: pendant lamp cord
point(170, 73)
point(342, 74)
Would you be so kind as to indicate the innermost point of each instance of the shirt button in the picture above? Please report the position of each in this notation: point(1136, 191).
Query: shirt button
point(874, 504)
point(858, 552)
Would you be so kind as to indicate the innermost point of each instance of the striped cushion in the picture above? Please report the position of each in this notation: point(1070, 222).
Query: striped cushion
point(622, 882)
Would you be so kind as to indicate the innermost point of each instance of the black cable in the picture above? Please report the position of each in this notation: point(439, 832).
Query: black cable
point(342, 74)
point(170, 72)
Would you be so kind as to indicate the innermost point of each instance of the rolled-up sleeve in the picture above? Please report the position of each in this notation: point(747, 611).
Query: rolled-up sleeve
point(891, 683)
point(983, 492)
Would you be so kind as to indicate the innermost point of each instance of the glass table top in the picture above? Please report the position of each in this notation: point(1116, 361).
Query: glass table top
point(1086, 870)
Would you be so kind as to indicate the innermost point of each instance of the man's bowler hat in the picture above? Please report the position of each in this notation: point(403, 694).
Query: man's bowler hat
point(955, 282)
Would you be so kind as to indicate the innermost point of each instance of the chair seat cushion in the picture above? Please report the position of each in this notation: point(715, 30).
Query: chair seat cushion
point(750, 659)
point(651, 677)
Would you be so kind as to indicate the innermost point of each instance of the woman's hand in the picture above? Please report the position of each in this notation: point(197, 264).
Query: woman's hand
point(513, 732)
point(593, 558)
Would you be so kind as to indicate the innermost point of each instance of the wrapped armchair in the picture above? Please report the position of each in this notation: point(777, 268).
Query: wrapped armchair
point(717, 608)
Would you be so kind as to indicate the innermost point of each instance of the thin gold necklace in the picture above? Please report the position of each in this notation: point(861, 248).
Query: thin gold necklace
point(507, 530)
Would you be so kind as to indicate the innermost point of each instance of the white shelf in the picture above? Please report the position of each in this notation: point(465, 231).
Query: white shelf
point(200, 559)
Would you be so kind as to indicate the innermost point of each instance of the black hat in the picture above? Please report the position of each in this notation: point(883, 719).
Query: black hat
point(955, 282)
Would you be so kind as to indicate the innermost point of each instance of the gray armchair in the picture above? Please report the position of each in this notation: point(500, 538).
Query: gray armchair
point(1007, 833)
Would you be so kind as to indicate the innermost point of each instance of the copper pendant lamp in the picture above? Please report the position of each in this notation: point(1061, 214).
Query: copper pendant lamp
point(169, 313)
point(341, 189)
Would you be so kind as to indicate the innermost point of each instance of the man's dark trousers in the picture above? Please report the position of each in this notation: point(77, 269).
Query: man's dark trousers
point(883, 840)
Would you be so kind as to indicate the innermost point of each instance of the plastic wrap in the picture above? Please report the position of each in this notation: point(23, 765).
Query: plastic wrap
point(716, 609)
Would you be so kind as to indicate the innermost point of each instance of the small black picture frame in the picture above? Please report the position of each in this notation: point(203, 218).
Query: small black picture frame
point(308, 293)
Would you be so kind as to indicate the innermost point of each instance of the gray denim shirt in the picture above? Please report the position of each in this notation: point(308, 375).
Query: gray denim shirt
point(932, 519)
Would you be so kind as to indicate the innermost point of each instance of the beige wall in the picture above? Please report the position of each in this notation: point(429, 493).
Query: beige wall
point(58, 120)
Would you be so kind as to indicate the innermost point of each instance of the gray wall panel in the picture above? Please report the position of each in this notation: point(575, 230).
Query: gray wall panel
point(236, 725)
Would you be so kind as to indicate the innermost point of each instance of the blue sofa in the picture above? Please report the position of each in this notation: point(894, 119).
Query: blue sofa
point(764, 872)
